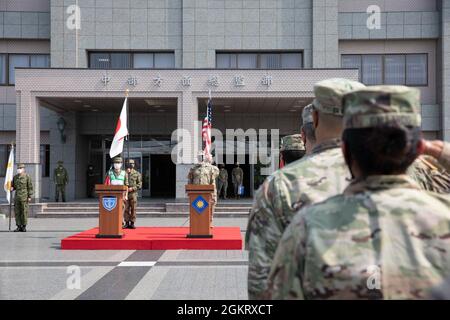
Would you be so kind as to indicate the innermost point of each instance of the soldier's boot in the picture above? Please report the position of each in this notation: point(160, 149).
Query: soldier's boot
point(18, 229)
point(132, 225)
point(126, 225)
point(24, 229)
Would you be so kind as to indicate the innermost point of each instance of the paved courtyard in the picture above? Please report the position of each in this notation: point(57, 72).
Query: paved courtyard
point(32, 266)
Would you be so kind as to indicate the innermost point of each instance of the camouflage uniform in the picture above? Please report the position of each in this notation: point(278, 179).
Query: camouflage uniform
point(315, 177)
point(222, 183)
point(384, 238)
point(430, 174)
point(292, 142)
point(444, 159)
point(61, 179)
point(134, 182)
point(237, 177)
point(23, 187)
point(204, 173)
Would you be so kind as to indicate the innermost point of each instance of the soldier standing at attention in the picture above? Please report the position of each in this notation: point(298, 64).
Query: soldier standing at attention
point(23, 186)
point(222, 182)
point(90, 181)
point(292, 148)
point(237, 177)
point(134, 185)
point(314, 178)
point(61, 179)
point(308, 136)
point(204, 173)
point(383, 238)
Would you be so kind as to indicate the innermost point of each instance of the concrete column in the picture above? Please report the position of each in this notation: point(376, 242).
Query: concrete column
point(445, 69)
point(28, 137)
point(325, 39)
point(187, 116)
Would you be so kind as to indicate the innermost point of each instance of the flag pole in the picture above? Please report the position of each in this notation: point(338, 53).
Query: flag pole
point(10, 196)
point(128, 124)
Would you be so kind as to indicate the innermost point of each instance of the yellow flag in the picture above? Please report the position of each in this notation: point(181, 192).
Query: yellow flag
point(9, 175)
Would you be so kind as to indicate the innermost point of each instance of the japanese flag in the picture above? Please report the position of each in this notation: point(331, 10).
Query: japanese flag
point(121, 132)
point(9, 175)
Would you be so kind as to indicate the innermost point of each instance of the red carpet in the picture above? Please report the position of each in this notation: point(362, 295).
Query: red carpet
point(156, 238)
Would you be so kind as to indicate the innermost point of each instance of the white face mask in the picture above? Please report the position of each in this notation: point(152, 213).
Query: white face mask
point(19, 171)
point(117, 166)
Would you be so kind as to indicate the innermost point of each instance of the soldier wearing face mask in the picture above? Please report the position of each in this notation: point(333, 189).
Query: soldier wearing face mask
point(24, 190)
point(118, 177)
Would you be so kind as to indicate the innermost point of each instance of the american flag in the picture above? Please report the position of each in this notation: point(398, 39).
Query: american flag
point(206, 130)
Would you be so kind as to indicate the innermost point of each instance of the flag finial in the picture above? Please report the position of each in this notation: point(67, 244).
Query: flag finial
point(127, 91)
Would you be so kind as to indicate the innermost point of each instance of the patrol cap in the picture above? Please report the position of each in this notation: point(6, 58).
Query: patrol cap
point(307, 114)
point(21, 166)
point(60, 162)
point(292, 142)
point(117, 160)
point(377, 105)
point(130, 161)
point(329, 94)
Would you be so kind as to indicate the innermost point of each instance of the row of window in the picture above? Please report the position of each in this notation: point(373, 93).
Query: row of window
point(374, 69)
point(44, 158)
point(266, 60)
point(10, 61)
point(400, 69)
point(129, 60)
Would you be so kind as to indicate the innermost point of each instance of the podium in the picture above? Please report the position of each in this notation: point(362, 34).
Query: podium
point(200, 210)
point(110, 209)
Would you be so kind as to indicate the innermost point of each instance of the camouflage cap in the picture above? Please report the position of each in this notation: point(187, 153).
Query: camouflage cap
point(292, 142)
point(130, 161)
point(307, 114)
point(372, 106)
point(117, 160)
point(60, 162)
point(20, 166)
point(329, 94)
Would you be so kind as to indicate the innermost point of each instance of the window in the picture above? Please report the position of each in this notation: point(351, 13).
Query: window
point(7, 75)
point(130, 60)
point(256, 60)
point(2, 68)
point(394, 69)
point(397, 69)
point(372, 66)
point(45, 160)
point(416, 69)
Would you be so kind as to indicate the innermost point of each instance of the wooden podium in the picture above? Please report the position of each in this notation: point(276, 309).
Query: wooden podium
point(200, 210)
point(110, 209)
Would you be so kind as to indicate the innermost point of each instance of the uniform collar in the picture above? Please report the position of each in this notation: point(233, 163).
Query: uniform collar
point(379, 183)
point(327, 144)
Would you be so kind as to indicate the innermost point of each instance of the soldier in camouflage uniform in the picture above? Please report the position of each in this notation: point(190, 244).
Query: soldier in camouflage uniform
point(222, 182)
point(23, 187)
point(313, 178)
point(237, 177)
point(308, 135)
point(204, 173)
point(134, 185)
point(384, 238)
point(292, 148)
point(61, 179)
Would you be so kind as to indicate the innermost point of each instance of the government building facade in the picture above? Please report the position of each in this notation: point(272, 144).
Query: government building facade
point(65, 66)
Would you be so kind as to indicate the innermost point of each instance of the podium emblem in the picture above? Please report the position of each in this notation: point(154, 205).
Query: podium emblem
point(200, 204)
point(109, 203)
